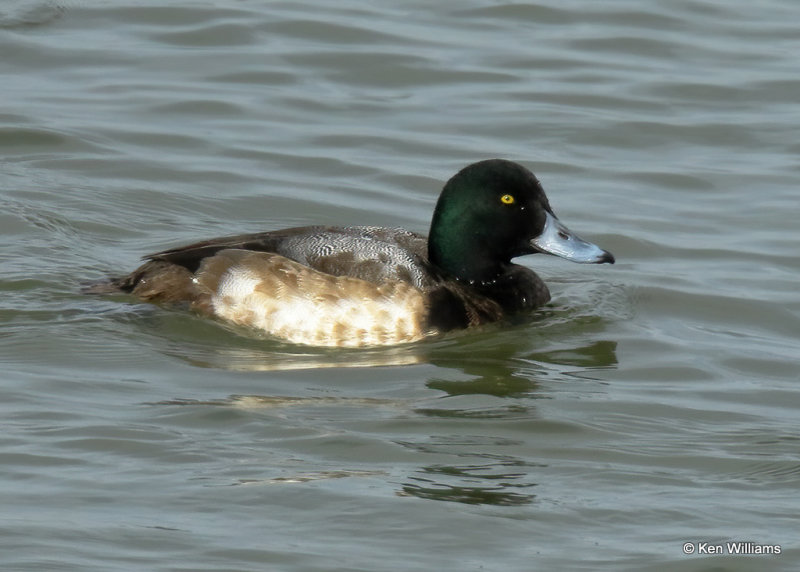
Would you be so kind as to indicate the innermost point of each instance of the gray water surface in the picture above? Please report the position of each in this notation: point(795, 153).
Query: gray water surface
point(653, 403)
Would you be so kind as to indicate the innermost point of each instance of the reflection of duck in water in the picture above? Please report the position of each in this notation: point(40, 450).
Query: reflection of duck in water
point(362, 286)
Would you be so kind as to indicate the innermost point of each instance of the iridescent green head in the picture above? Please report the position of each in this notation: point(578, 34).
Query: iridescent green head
point(493, 211)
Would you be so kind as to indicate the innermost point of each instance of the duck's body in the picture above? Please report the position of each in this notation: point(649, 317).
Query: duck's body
point(362, 286)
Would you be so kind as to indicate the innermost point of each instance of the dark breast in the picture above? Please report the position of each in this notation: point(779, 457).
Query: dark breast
point(454, 304)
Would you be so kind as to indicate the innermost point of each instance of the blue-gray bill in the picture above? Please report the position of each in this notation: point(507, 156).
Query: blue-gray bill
point(558, 240)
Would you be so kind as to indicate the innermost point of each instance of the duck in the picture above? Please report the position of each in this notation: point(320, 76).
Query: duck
point(361, 286)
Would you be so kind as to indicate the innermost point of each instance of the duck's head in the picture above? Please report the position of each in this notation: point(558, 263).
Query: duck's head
point(493, 211)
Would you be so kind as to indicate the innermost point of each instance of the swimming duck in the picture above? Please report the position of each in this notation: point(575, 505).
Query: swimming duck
point(365, 285)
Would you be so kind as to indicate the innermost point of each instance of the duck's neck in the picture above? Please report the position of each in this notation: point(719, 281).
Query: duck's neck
point(461, 252)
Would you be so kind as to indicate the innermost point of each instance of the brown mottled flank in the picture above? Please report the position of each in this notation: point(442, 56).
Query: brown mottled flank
point(302, 305)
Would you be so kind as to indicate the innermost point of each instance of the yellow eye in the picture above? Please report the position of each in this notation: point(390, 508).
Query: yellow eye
point(507, 199)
